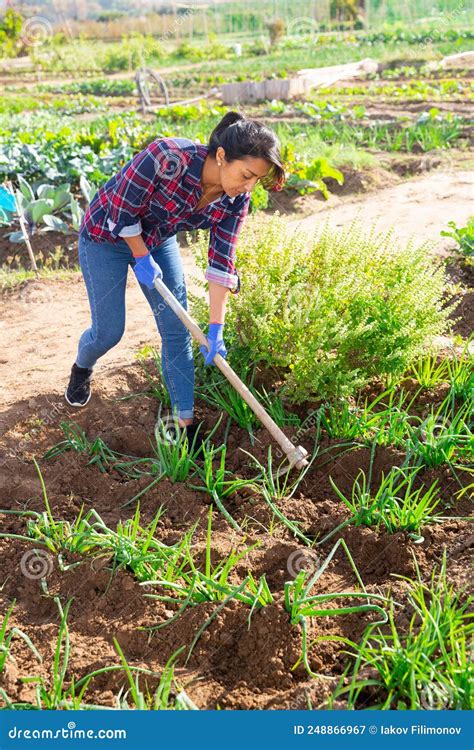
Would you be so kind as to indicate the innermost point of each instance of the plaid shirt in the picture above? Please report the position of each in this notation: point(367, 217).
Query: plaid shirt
point(155, 195)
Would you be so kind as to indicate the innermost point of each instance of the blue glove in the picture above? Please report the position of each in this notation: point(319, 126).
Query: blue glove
point(216, 343)
point(147, 270)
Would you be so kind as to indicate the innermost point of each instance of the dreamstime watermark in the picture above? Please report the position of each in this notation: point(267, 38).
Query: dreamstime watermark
point(307, 698)
point(69, 732)
point(436, 697)
point(304, 26)
point(169, 165)
point(34, 293)
point(167, 430)
point(303, 559)
point(46, 417)
point(178, 21)
point(147, 586)
point(444, 21)
point(310, 421)
point(36, 564)
point(35, 31)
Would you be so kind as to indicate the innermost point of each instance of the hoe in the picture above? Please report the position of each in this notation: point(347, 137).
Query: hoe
point(296, 454)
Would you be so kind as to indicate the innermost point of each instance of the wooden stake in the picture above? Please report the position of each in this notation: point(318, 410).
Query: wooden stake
point(23, 227)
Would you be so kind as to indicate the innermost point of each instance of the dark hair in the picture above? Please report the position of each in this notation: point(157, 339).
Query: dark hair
point(241, 137)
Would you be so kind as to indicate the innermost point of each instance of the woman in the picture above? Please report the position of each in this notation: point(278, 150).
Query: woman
point(172, 185)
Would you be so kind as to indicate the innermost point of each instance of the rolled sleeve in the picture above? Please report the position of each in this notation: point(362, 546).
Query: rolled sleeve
point(222, 249)
point(129, 231)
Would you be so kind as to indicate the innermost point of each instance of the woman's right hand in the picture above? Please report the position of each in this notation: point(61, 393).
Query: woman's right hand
point(147, 270)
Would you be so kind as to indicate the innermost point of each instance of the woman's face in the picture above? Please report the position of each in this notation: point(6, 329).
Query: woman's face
point(240, 175)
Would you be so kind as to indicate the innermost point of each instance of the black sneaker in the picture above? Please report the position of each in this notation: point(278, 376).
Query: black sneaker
point(78, 391)
point(169, 430)
point(194, 433)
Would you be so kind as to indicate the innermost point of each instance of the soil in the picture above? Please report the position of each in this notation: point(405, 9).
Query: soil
point(233, 665)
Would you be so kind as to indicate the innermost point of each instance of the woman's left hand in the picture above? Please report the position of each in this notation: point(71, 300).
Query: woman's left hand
point(216, 343)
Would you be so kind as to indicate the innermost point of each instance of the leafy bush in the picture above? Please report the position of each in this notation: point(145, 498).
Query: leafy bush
point(464, 236)
point(308, 177)
point(11, 26)
point(134, 52)
point(45, 208)
point(97, 87)
point(332, 310)
point(259, 198)
point(213, 50)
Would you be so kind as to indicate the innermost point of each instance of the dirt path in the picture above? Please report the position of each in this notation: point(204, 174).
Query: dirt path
point(41, 77)
point(40, 325)
point(420, 207)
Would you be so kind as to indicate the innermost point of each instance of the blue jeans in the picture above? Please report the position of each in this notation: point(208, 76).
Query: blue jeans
point(104, 266)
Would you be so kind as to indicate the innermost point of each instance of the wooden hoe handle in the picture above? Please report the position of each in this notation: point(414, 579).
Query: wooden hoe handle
point(296, 454)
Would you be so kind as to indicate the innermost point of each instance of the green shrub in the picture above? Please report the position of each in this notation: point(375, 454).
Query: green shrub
point(133, 52)
point(259, 198)
point(331, 310)
point(464, 236)
point(11, 26)
point(212, 50)
point(276, 29)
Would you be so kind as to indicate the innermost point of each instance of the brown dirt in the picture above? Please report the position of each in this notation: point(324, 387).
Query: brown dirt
point(46, 245)
point(232, 666)
point(465, 314)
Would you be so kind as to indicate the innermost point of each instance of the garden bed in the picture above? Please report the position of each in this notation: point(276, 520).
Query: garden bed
point(232, 666)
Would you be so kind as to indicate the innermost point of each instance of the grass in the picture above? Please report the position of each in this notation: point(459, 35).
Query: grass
point(7, 635)
point(458, 370)
point(12, 279)
point(301, 605)
point(272, 487)
point(442, 437)
point(224, 396)
point(193, 585)
point(217, 486)
point(186, 577)
point(162, 698)
point(425, 665)
point(107, 460)
point(396, 504)
point(174, 458)
point(51, 696)
point(100, 455)
point(273, 403)
point(385, 420)
point(425, 136)
point(131, 545)
point(60, 692)
point(410, 90)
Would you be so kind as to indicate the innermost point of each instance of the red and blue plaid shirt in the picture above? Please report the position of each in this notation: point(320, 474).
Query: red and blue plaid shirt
point(155, 195)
